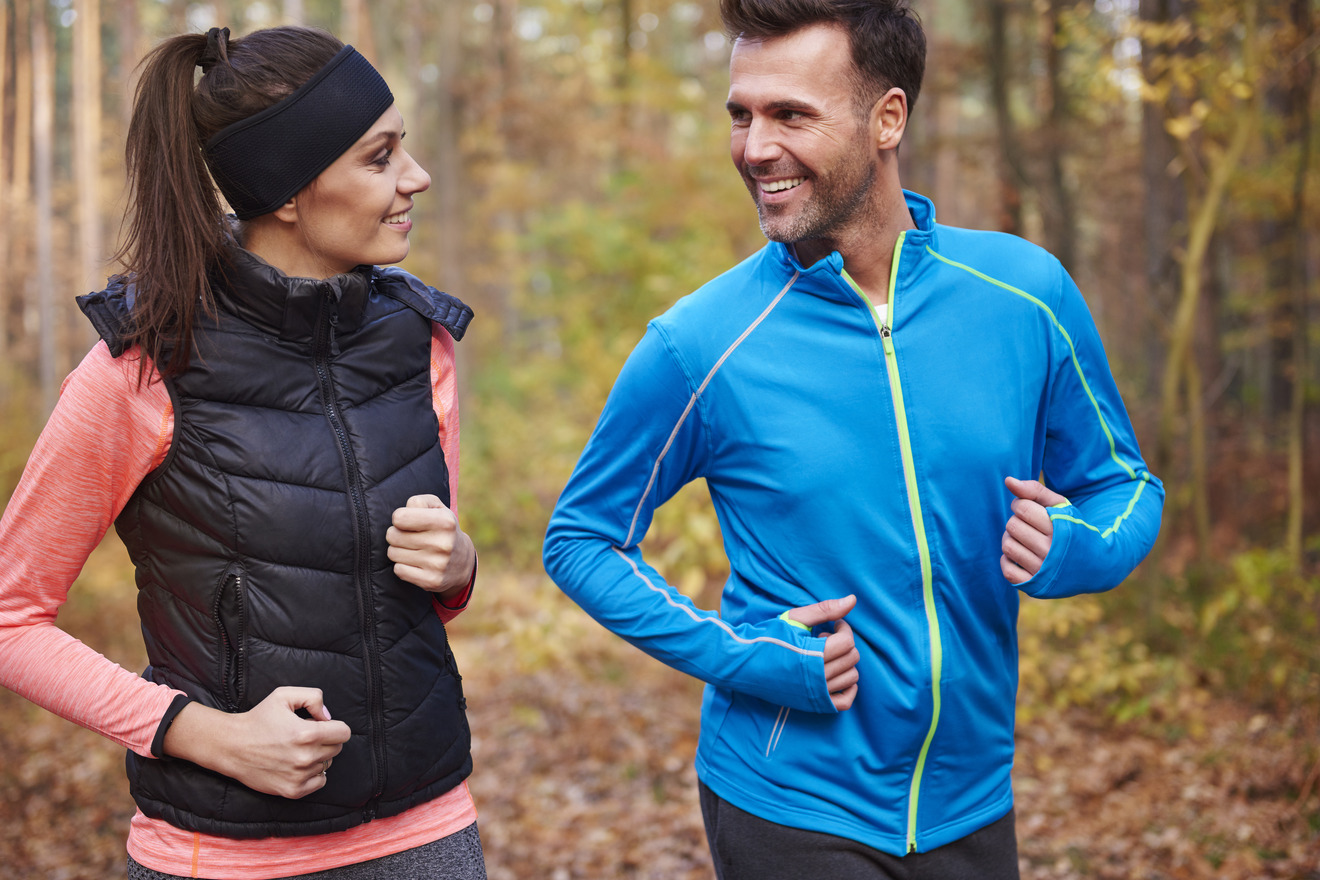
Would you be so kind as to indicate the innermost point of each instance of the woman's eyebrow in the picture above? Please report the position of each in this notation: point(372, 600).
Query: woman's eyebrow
point(378, 137)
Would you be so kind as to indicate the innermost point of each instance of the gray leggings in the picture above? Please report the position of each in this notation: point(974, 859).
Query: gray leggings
point(456, 857)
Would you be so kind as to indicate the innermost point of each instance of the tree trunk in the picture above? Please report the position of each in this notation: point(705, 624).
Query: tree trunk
point(1012, 172)
point(87, 143)
point(1165, 213)
point(43, 143)
point(1060, 216)
point(914, 155)
point(1198, 467)
point(449, 160)
point(506, 59)
point(131, 51)
point(504, 224)
point(623, 83)
point(1302, 87)
point(355, 24)
point(16, 256)
point(177, 11)
point(1179, 371)
point(5, 150)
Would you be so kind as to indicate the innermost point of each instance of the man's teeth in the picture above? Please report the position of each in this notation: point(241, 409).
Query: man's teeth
point(781, 185)
point(397, 218)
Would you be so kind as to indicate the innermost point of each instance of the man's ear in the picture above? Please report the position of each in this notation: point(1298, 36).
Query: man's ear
point(287, 212)
point(889, 117)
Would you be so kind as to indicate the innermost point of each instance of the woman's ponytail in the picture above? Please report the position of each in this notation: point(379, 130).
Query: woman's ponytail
point(175, 223)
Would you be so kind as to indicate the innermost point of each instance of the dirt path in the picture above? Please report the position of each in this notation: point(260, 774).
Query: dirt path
point(584, 771)
point(583, 750)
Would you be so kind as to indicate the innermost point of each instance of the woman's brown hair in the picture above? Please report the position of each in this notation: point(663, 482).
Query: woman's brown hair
point(176, 227)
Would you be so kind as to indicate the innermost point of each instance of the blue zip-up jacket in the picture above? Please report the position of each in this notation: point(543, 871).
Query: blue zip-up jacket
point(849, 453)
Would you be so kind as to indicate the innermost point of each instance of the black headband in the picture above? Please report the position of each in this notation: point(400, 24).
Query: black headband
point(260, 162)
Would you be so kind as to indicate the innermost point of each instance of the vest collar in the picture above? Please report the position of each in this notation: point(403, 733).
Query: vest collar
point(286, 306)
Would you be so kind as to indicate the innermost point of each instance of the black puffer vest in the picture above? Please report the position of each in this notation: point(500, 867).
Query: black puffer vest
point(303, 422)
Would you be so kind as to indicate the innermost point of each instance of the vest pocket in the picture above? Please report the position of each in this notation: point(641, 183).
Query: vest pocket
point(230, 614)
point(452, 662)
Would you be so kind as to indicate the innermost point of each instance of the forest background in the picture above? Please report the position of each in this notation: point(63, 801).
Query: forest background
point(1165, 150)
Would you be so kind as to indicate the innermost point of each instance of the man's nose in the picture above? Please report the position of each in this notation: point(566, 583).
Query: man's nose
point(761, 146)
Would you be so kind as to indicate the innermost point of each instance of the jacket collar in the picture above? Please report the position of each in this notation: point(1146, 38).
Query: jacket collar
point(286, 306)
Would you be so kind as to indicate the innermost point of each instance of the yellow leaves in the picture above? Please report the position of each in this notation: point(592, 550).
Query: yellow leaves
point(1242, 91)
point(1155, 92)
point(1165, 35)
point(1071, 657)
point(1233, 82)
point(1220, 606)
point(1181, 127)
point(1201, 69)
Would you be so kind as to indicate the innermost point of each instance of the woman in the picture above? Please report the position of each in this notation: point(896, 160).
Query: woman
point(271, 423)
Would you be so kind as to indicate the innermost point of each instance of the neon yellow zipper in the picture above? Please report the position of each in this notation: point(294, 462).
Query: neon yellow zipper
point(918, 527)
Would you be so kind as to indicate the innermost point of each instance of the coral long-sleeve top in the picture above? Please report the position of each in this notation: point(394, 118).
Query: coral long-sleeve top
point(106, 434)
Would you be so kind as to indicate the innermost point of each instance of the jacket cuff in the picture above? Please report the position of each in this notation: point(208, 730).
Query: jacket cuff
point(176, 706)
point(813, 693)
point(1043, 584)
point(791, 622)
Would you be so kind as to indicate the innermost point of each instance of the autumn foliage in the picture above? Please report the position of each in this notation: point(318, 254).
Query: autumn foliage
point(578, 148)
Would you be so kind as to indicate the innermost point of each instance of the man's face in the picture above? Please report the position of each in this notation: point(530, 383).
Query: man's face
point(803, 151)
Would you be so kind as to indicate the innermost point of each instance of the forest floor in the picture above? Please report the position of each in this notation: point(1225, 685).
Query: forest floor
point(583, 752)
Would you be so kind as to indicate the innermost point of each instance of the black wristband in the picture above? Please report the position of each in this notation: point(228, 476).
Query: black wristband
point(158, 741)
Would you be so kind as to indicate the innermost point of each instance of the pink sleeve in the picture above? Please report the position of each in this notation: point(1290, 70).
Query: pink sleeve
point(444, 396)
point(105, 435)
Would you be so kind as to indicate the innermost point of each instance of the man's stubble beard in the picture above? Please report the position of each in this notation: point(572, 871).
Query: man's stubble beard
point(836, 202)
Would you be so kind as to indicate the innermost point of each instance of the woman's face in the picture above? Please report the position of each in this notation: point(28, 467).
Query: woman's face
point(356, 211)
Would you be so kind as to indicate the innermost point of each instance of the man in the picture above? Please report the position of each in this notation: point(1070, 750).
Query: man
point(868, 399)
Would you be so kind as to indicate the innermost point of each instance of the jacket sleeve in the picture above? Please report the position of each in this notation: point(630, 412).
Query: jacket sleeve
point(444, 399)
point(651, 440)
point(105, 435)
point(1091, 457)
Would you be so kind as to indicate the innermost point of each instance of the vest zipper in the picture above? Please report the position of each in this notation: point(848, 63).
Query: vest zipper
point(918, 528)
point(362, 549)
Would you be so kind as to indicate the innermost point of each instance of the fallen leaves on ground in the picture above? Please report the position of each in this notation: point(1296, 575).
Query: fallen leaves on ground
point(583, 750)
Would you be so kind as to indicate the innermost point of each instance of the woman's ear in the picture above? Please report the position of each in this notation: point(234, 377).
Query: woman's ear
point(287, 212)
point(889, 119)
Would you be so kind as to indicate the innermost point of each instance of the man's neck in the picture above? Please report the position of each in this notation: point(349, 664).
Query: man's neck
point(868, 257)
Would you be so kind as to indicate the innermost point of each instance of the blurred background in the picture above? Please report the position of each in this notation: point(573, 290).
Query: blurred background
point(1165, 150)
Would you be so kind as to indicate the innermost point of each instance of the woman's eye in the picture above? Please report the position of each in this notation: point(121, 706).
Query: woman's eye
point(383, 159)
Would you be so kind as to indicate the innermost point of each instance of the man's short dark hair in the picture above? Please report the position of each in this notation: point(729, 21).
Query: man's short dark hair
point(888, 44)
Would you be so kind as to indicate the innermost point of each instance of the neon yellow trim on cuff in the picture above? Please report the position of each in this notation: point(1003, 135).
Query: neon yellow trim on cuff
point(791, 622)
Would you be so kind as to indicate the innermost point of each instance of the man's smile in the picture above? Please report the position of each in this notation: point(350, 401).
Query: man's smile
point(781, 185)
